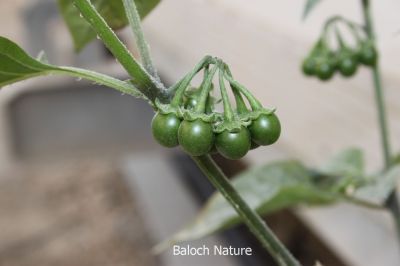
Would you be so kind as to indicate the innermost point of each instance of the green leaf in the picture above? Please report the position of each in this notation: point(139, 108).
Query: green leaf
point(309, 6)
point(342, 170)
point(285, 184)
point(378, 189)
point(344, 175)
point(111, 10)
point(349, 162)
point(16, 65)
point(396, 159)
point(266, 189)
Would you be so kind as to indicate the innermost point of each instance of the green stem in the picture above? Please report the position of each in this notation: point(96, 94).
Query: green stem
point(181, 86)
point(254, 103)
point(240, 104)
point(342, 44)
point(119, 85)
point(333, 21)
point(141, 79)
point(379, 95)
point(257, 226)
point(355, 30)
point(228, 112)
point(392, 202)
point(205, 91)
point(134, 20)
point(328, 26)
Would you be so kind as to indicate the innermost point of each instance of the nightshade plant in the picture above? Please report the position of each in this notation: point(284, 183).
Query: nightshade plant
point(288, 183)
point(189, 120)
point(185, 116)
point(323, 60)
point(193, 123)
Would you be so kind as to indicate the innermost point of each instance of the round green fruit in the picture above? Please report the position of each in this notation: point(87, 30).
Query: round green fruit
point(191, 102)
point(368, 55)
point(325, 70)
point(165, 129)
point(265, 130)
point(196, 137)
point(309, 66)
point(233, 144)
point(348, 66)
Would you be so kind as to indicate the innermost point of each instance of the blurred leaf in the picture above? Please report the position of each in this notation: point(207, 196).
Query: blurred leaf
point(342, 170)
point(349, 162)
point(111, 10)
point(281, 185)
point(309, 6)
point(396, 159)
point(266, 189)
point(17, 65)
point(379, 188)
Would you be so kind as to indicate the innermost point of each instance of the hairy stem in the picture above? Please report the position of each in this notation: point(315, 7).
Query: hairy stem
point(119, 85)
point(257, 226)
point(134, 20)
point(150, 87)
point(392, 202)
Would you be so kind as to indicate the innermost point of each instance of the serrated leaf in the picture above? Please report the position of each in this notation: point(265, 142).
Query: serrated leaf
point(111, 10)
point(16, 65)
point(380, 187)
point(266, 189)
point(309, 6)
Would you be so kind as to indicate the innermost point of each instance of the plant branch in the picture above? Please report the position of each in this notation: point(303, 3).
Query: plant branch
point(380, 102)
point(392, 202)
point(153, 89)
point(379, 94)
point(256, 225)
point(134, 20)
point(98, 78)
point(140, 78)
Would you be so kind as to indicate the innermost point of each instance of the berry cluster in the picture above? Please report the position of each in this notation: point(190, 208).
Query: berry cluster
point(192, 121)
point(323, 61)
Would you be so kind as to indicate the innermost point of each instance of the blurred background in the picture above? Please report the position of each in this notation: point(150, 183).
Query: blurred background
point(83, 183)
